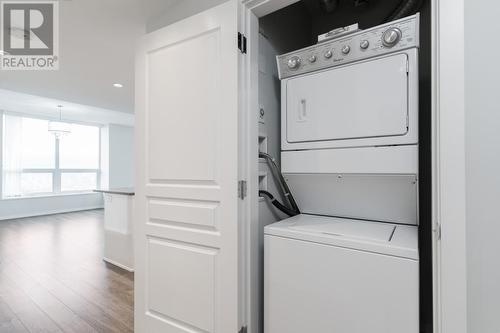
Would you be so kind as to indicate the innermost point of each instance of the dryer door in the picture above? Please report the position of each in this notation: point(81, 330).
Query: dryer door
point(358, 101)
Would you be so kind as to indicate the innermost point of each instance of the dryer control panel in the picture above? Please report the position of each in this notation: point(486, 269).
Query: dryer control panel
point(387, 38)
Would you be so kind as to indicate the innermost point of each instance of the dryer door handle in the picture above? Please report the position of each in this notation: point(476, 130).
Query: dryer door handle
point(302, 110)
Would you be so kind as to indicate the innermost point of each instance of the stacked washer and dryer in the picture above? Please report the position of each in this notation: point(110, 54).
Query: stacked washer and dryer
point(349, 262)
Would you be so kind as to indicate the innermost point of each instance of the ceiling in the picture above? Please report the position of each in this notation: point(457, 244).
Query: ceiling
point(97, 48)
point(44, 107)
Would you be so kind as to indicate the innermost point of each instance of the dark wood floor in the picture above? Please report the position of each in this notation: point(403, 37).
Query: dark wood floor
point(52, 277)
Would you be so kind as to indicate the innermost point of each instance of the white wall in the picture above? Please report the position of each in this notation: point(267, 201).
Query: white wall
point(25, 207)
point(121, 156)
point(179, 11)
point(482, 75)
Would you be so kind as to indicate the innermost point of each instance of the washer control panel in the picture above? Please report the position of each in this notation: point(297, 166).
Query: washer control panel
point(376, 41)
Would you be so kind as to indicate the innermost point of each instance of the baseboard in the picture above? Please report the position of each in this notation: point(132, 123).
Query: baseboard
point(112, 262)
point(49, 212)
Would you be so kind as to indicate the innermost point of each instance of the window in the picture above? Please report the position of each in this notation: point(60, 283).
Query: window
point(35, 162)
point(80, 149)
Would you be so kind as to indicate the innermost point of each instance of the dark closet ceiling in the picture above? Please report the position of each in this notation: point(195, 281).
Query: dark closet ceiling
point(367, 13)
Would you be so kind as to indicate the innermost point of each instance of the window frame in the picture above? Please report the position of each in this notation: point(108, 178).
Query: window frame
point(56, 171)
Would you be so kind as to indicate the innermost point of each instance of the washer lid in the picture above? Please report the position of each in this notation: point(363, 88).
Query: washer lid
point(378, 237)
point(377, 232)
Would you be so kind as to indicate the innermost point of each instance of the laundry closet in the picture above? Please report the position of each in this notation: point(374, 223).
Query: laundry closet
point(341, 115)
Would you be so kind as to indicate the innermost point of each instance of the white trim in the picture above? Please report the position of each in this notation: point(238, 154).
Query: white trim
point(263, 7)
point(449, 252)
point(249, 126)
point(244, 159)
point(112, 262)
point(50, 195)
point(1, 152)
point(253, 10)
point(50, 212)
point(62, 170)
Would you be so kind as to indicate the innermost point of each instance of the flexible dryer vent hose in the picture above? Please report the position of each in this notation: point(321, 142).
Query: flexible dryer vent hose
point(328, 5)
point(277, 173)
point(405, 8)
point(277, 204)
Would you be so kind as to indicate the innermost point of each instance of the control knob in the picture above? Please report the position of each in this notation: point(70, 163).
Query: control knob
point(312, 59)
point(346, 49)
point(294, 62)
point(391, 37)
point(328, 54)
point(364, 44)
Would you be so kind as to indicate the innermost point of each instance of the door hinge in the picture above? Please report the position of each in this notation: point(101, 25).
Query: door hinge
point(242, 189)
point(437, 230)
point(242, 43)
point(243, 330)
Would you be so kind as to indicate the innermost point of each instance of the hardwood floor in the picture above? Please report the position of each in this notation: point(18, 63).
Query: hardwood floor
point(53, 279)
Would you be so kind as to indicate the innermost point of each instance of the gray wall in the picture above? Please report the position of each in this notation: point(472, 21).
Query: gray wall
point(180, 10)
point(121, 156)
point(294, 23)
point(269, 126)
point(482, 74)
point(117, 156)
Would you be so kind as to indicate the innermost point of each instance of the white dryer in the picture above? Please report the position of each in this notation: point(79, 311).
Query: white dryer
point(358, 91)
point(349, 149)
point(333, 275)
point(349, 124)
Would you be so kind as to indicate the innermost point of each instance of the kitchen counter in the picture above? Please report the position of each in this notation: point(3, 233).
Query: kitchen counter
point(118, 226)
point(117, 190)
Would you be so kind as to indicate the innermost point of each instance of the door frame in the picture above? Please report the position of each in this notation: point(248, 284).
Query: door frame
point(251, 312)
point(448, 157)
point(448, 167)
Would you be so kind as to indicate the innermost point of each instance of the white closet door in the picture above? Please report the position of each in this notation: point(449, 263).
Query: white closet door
point(186, 217)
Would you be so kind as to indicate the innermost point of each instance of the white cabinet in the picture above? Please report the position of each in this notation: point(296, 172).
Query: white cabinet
point(118, 229)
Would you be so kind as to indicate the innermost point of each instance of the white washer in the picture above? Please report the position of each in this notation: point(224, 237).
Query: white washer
point(326, 274)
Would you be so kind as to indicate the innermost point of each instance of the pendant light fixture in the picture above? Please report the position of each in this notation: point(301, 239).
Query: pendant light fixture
point(59, 128)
